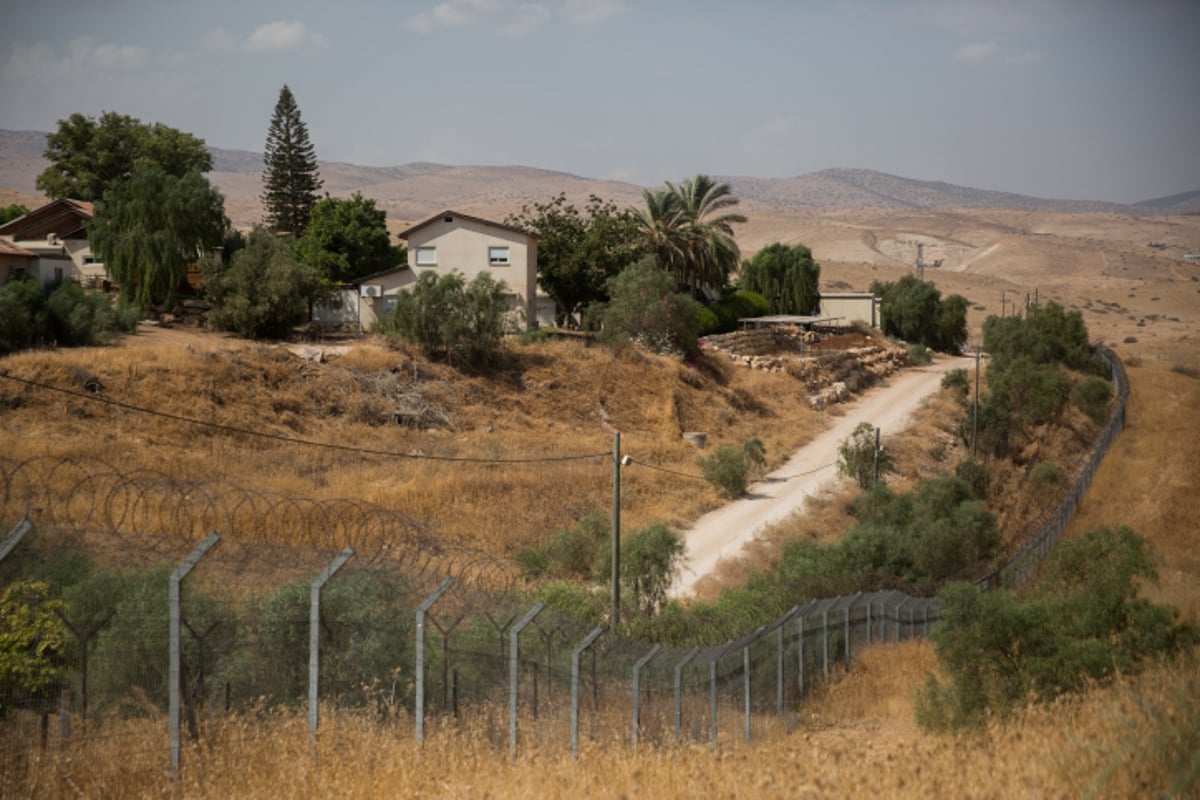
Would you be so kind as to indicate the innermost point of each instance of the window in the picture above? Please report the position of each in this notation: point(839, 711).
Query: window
point(497, 256)
point(426, 256)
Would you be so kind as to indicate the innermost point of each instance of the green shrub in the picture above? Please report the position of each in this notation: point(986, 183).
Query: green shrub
point(956, 381)
point(646, 311)
point(756, 456)
point(449, 318)
point(69, 316)
point(857, 457)
point(974, 475)
point(919, 355)
point(724, 315)
point(1091, 396)
point(1045, 475)
point(726, 469)
point(1082, 622)
point(649, 563)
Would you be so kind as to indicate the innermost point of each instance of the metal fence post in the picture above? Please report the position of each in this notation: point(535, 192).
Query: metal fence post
point(679, 692)
point(637, 672)
point(898, 609)
point(314, 638)
point(825, 643)
point(800, 651)
point(419, 704)
point(514, 674)
point(173, 594)
point(848, 607)
point(746, 686)
point(779, 670)
point(712, 682)
point(15, 536)
point(575, 654)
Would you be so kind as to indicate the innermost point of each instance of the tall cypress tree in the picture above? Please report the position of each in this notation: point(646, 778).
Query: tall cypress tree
point(290, 180)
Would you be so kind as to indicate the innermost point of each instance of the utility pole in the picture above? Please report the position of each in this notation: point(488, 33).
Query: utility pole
point(975, 416)
point(616, 532)
point(876, 467)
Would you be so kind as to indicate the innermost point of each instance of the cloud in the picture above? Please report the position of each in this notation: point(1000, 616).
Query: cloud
point(279, 36)
point(512, 17)
point(218, 40)
point(977, 51)
point(527, 17)
point(591, 12)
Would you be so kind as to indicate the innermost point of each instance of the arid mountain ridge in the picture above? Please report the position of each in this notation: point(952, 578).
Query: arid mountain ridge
point(413, 191)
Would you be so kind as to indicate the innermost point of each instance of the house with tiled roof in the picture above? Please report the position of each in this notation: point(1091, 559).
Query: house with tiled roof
point(50, 244)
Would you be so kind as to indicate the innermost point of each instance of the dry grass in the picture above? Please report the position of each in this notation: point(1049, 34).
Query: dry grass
point(548, 400)
point(855, 738)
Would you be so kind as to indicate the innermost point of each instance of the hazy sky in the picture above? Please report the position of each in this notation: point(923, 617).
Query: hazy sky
point(1055, 98)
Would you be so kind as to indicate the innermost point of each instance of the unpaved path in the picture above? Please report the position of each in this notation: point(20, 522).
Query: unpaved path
point(722, 533)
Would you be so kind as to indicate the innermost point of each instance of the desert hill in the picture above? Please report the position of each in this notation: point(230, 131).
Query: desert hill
point(413, 191)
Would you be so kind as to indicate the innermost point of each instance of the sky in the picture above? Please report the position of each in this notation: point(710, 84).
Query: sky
point(1065, 99)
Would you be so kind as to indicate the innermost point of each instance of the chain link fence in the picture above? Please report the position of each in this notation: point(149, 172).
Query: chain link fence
point(297, 603)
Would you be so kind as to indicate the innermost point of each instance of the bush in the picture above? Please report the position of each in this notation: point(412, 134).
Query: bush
point(727, 470)
point(1083, 622)
point(1091, 396)
point(449, 318)
point(787, 277)
point(914, 311)
point(956, 381)
point(756, 455)
point(69, 316)
point(724, 315)
point(919, 355)
point(857, 457)
point(1045, 475)
point(263, 290)
point(649, 562)
point(646, 311)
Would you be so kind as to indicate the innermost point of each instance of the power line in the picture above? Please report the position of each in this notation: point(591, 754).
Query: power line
point(292, 440)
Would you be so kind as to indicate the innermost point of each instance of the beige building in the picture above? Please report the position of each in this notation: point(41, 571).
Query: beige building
point(455, 242)
point(50, 244)
point(848, 307)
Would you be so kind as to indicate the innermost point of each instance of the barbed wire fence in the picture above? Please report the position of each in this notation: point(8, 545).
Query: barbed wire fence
point(292, 602)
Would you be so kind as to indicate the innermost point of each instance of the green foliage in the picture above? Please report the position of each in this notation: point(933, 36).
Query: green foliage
point(646, 311)
point(451, 319)
point(148, 228)
point(857, 457)
point(89, 158)
point(290, 178)
point(1047, 335)
point(956, 381)
point(347, 239)
point(974, 474)
point(1082, 622)
point(725, 314)
point(756, 456)
point(919, 355)
point(1030, 391)
point(689, 230)
point(262, 291)
point(10, 212)
point(578, 252)
point(786, 276)
point(32, 640)
point(1046, 475)
point(1092, 396)
point(571, 553)
point(726, 469)
point(914, 311)
point(68, 316)
point(366, 628)
point(649, 563)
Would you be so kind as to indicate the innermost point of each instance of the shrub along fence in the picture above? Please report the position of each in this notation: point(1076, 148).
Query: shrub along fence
point(164, 620)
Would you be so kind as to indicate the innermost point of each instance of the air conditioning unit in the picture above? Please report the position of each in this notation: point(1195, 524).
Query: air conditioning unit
point(371, 290)
point(52, 238)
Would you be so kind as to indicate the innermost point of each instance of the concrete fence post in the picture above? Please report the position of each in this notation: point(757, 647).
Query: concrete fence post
point(174, 654)
point(514, 673)
point(575, 654)
point(419, 703)
point(679, 692)
point(314, 638)
point(637, 673)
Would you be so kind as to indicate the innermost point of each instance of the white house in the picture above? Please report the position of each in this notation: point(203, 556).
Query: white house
point(50, 244)
point(456, 242)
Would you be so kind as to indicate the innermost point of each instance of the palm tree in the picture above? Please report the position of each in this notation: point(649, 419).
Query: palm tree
point(689, 229)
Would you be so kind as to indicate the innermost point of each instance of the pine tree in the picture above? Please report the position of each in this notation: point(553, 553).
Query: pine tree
point(290, 180)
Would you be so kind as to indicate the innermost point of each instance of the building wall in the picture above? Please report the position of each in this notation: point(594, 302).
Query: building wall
point(851, 308)
point(372, 309)
point(462, 245)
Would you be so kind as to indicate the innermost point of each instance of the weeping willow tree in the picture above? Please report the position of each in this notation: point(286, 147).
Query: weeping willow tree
point(148, 228)
point(787, 276)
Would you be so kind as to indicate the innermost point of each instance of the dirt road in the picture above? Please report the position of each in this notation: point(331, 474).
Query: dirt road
point(722, 533)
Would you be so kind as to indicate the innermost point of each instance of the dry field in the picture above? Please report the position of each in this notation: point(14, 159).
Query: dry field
point(857, 736)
